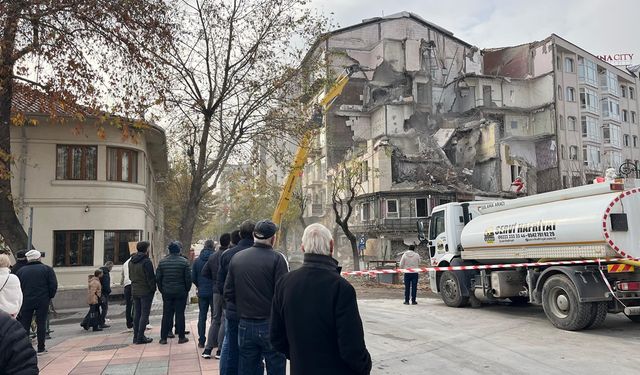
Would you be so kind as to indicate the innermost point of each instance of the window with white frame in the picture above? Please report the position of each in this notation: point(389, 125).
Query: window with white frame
point(626, 140)
point(422, 207)
point(611, 109)
point(633, 117)
point(590, 129)
point(365, 211)
point(591, 156)
point(609, 82)
point(625, 115)
point(571, 94)
point(615, 158)
point(561, 122)
point(635, 141)
point(572, 123)
point(611, 134)
point(573, 152)
point(568, 65)
point(563, 152)
point(392, 208)
point(623, 91)
point(632, 93)
point(587, 71)
point(589, 100)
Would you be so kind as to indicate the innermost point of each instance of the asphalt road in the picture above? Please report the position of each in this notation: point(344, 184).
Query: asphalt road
point(431, 338)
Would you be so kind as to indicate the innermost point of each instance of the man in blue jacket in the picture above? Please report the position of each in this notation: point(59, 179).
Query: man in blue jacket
point(205, 291)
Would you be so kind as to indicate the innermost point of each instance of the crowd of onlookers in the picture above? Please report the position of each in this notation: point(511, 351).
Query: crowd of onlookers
point(26, 290)
point(261, 313)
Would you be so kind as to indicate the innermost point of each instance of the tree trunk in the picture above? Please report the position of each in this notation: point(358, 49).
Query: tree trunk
point(11, 230)
point(188, 220)
point(354, 251)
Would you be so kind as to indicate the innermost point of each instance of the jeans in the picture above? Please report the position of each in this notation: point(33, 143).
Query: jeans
point(216, 334)
point(173, 305)
point(229, 351)
point(41, 311)
point(254, 343)
point(129, 304)
point(104, 308)
point(410, 282)
point(204, 303)
point(142, 306)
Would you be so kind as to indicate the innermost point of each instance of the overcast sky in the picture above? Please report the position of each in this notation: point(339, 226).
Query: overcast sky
point(600, 27)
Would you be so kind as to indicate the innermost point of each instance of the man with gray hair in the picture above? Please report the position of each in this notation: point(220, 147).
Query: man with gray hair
point(314, 318)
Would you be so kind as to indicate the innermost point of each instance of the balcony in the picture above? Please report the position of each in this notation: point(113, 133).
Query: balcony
point(387, 225)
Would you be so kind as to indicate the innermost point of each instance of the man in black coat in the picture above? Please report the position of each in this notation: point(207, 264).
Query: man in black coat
point(106, 291)
point(229, 351)
point(174, 282)
point(315, 320)
point(143, 287)
point(39, 286)
point(250, 284)
point(21, 260)
point(17, 356)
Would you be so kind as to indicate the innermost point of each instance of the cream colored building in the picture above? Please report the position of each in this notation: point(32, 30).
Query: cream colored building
point(92, 191)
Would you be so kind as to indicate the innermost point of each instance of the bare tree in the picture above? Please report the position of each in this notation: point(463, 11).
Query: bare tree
point(73, 49)
point(345, 187)
point(228, 68)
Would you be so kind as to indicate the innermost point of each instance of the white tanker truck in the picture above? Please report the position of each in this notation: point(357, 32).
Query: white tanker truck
point(599, 221)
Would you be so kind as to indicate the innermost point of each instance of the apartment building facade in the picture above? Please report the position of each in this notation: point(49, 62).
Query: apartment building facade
point(93, 191)
point(431, 119)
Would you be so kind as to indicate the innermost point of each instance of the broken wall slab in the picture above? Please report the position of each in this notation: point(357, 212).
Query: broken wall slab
point(485, 177)
point(508, 62)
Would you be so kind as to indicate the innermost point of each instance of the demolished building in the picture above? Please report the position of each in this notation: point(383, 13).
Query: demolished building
point(432, 119)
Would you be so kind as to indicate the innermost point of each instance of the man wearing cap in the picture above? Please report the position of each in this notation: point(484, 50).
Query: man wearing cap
point(250, 283)
point(21, 260)
point(40, 286)
point(174, 282)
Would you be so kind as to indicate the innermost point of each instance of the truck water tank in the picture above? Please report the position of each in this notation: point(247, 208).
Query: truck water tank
point(597, 226)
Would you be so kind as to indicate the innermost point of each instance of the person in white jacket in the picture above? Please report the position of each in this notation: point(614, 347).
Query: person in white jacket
point(410, 259)
point(10, 290)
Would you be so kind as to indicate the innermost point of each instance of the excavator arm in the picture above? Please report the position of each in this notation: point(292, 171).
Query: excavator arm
point(303, 149)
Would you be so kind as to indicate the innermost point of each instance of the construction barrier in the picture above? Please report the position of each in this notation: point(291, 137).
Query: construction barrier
point(482, 267)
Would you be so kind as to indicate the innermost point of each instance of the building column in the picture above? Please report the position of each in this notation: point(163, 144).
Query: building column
point(98, 248)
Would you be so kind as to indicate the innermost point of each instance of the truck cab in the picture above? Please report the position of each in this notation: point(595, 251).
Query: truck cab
point(442, 230)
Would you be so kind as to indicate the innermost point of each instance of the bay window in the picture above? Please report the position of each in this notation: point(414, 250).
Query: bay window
point(76, 162)
point(122, 165)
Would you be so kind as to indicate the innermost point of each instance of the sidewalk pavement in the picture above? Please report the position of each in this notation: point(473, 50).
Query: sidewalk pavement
point(123, 358)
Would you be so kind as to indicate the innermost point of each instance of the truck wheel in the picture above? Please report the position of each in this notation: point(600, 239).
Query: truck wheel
point(562, 306)
point(601, 309)
point(450, 290)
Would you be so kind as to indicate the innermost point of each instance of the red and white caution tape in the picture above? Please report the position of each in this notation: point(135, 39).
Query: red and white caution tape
point(479, 267)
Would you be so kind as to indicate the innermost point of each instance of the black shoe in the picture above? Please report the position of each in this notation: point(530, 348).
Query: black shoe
point(129, 326)
point(183, 340)
point(144, 340)
point(406, 302)
point(200, 345)
point(414, 302)
point(187, 332)
point(86, 327)
point(97, 329)
point(206, 354)
point(217, 356)
point(171, 336)
point(42, 351)
point(162, 342)
point(105, 326)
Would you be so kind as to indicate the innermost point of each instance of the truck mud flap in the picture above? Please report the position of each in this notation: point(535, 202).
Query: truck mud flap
point(588, 282)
